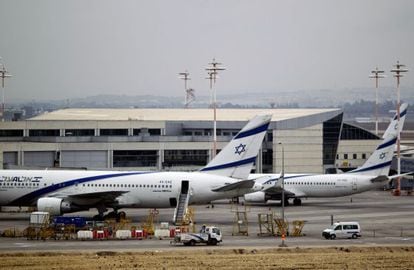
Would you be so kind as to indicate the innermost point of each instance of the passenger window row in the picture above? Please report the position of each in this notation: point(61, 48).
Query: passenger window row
point(127, 185)
point(311, 183)
point(30, 184)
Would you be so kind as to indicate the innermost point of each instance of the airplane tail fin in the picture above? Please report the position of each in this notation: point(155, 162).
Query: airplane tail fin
point(236, 159)
point(392, 127)
point(379, 162)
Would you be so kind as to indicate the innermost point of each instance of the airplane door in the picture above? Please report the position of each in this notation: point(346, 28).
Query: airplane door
point(184, 187)
point(354, 184)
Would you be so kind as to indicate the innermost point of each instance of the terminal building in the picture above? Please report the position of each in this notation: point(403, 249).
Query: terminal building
point(313, 140)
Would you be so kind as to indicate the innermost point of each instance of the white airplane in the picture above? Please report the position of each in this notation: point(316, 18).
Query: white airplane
point(372, 174)
point(65, 191)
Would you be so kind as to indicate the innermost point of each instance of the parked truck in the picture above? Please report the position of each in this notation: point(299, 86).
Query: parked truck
point(208, 235)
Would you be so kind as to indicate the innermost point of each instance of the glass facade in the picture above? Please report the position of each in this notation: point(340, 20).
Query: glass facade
point(185, 158)
point(79, 132)
point(114, 132)
point(267, 160)
point(44, 132)
point(350, 132)
point(331, 133)
point(135, 158)
point(11, 133)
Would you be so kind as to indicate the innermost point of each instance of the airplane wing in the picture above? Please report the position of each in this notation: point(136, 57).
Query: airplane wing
point(244, 184)
point(105, 197)
point(274, 190)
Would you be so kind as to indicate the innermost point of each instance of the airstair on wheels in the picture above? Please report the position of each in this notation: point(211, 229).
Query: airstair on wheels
point(182, 204)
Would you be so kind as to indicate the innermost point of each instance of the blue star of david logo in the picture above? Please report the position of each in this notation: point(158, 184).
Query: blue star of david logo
point(382, 155)
point(240, 149)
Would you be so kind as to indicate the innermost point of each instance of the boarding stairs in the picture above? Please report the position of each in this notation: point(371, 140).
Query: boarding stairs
point(181, 209)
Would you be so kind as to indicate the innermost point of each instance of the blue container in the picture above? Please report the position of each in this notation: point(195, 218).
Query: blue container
point(79, 222)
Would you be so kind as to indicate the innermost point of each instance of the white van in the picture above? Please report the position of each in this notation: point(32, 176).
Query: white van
point(343, 230)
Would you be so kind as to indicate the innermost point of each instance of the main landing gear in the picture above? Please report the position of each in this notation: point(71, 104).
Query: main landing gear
point(297, 201)
point(111, 215)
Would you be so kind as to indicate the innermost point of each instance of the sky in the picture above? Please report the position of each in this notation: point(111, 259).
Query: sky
point(78, 48)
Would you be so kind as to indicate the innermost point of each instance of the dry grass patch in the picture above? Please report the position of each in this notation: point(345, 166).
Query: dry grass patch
point(290, 258)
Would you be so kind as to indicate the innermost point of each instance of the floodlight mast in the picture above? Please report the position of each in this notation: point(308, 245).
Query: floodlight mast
point(376, 74)
point(398, 70)
point(212, 72)
point(3, 74)
point(186, 77)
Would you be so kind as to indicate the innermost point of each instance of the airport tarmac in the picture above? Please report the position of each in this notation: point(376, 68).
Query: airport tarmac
point(385, 220)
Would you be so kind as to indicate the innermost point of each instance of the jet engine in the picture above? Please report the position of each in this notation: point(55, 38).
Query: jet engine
point(55, 206)
point(256, 197)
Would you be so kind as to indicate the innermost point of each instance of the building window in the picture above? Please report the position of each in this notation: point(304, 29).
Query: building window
point(11, 133)
point(136, 131)
point(135, 158)
point(185, 158)
point(269, 136)
point(44, 132)
point(354, 156)
point(267, 160)
point(79, 132)
point(154, 131)
point(364, 156)
point(345, 156)
point(114, 132)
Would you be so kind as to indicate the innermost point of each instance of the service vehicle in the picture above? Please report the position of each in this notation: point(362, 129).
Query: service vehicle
point(209, 235)
point(343, 230)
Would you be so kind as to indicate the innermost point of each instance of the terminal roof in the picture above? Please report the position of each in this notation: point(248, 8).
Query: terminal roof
point(73, 114)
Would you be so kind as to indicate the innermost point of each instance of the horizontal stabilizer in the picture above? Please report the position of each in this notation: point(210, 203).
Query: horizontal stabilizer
point(400, 175)
point(383, 178)
point(244, 184)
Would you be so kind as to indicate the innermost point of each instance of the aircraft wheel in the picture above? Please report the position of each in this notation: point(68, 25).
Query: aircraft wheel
point(111, 215)
point(121, 215)
point(297, 202)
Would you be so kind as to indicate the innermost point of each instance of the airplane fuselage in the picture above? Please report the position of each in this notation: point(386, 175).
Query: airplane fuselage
point(325, 185)
point(139, 189)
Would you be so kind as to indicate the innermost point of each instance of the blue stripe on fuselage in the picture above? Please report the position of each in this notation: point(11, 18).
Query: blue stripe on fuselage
point(252, 131)
point(30, 197)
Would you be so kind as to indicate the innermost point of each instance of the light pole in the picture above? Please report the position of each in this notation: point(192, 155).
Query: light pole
point(398, 70)
point(212, 72)
point(376, 74)
point(3, 74)
point(185, 76)
point(282, 178)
